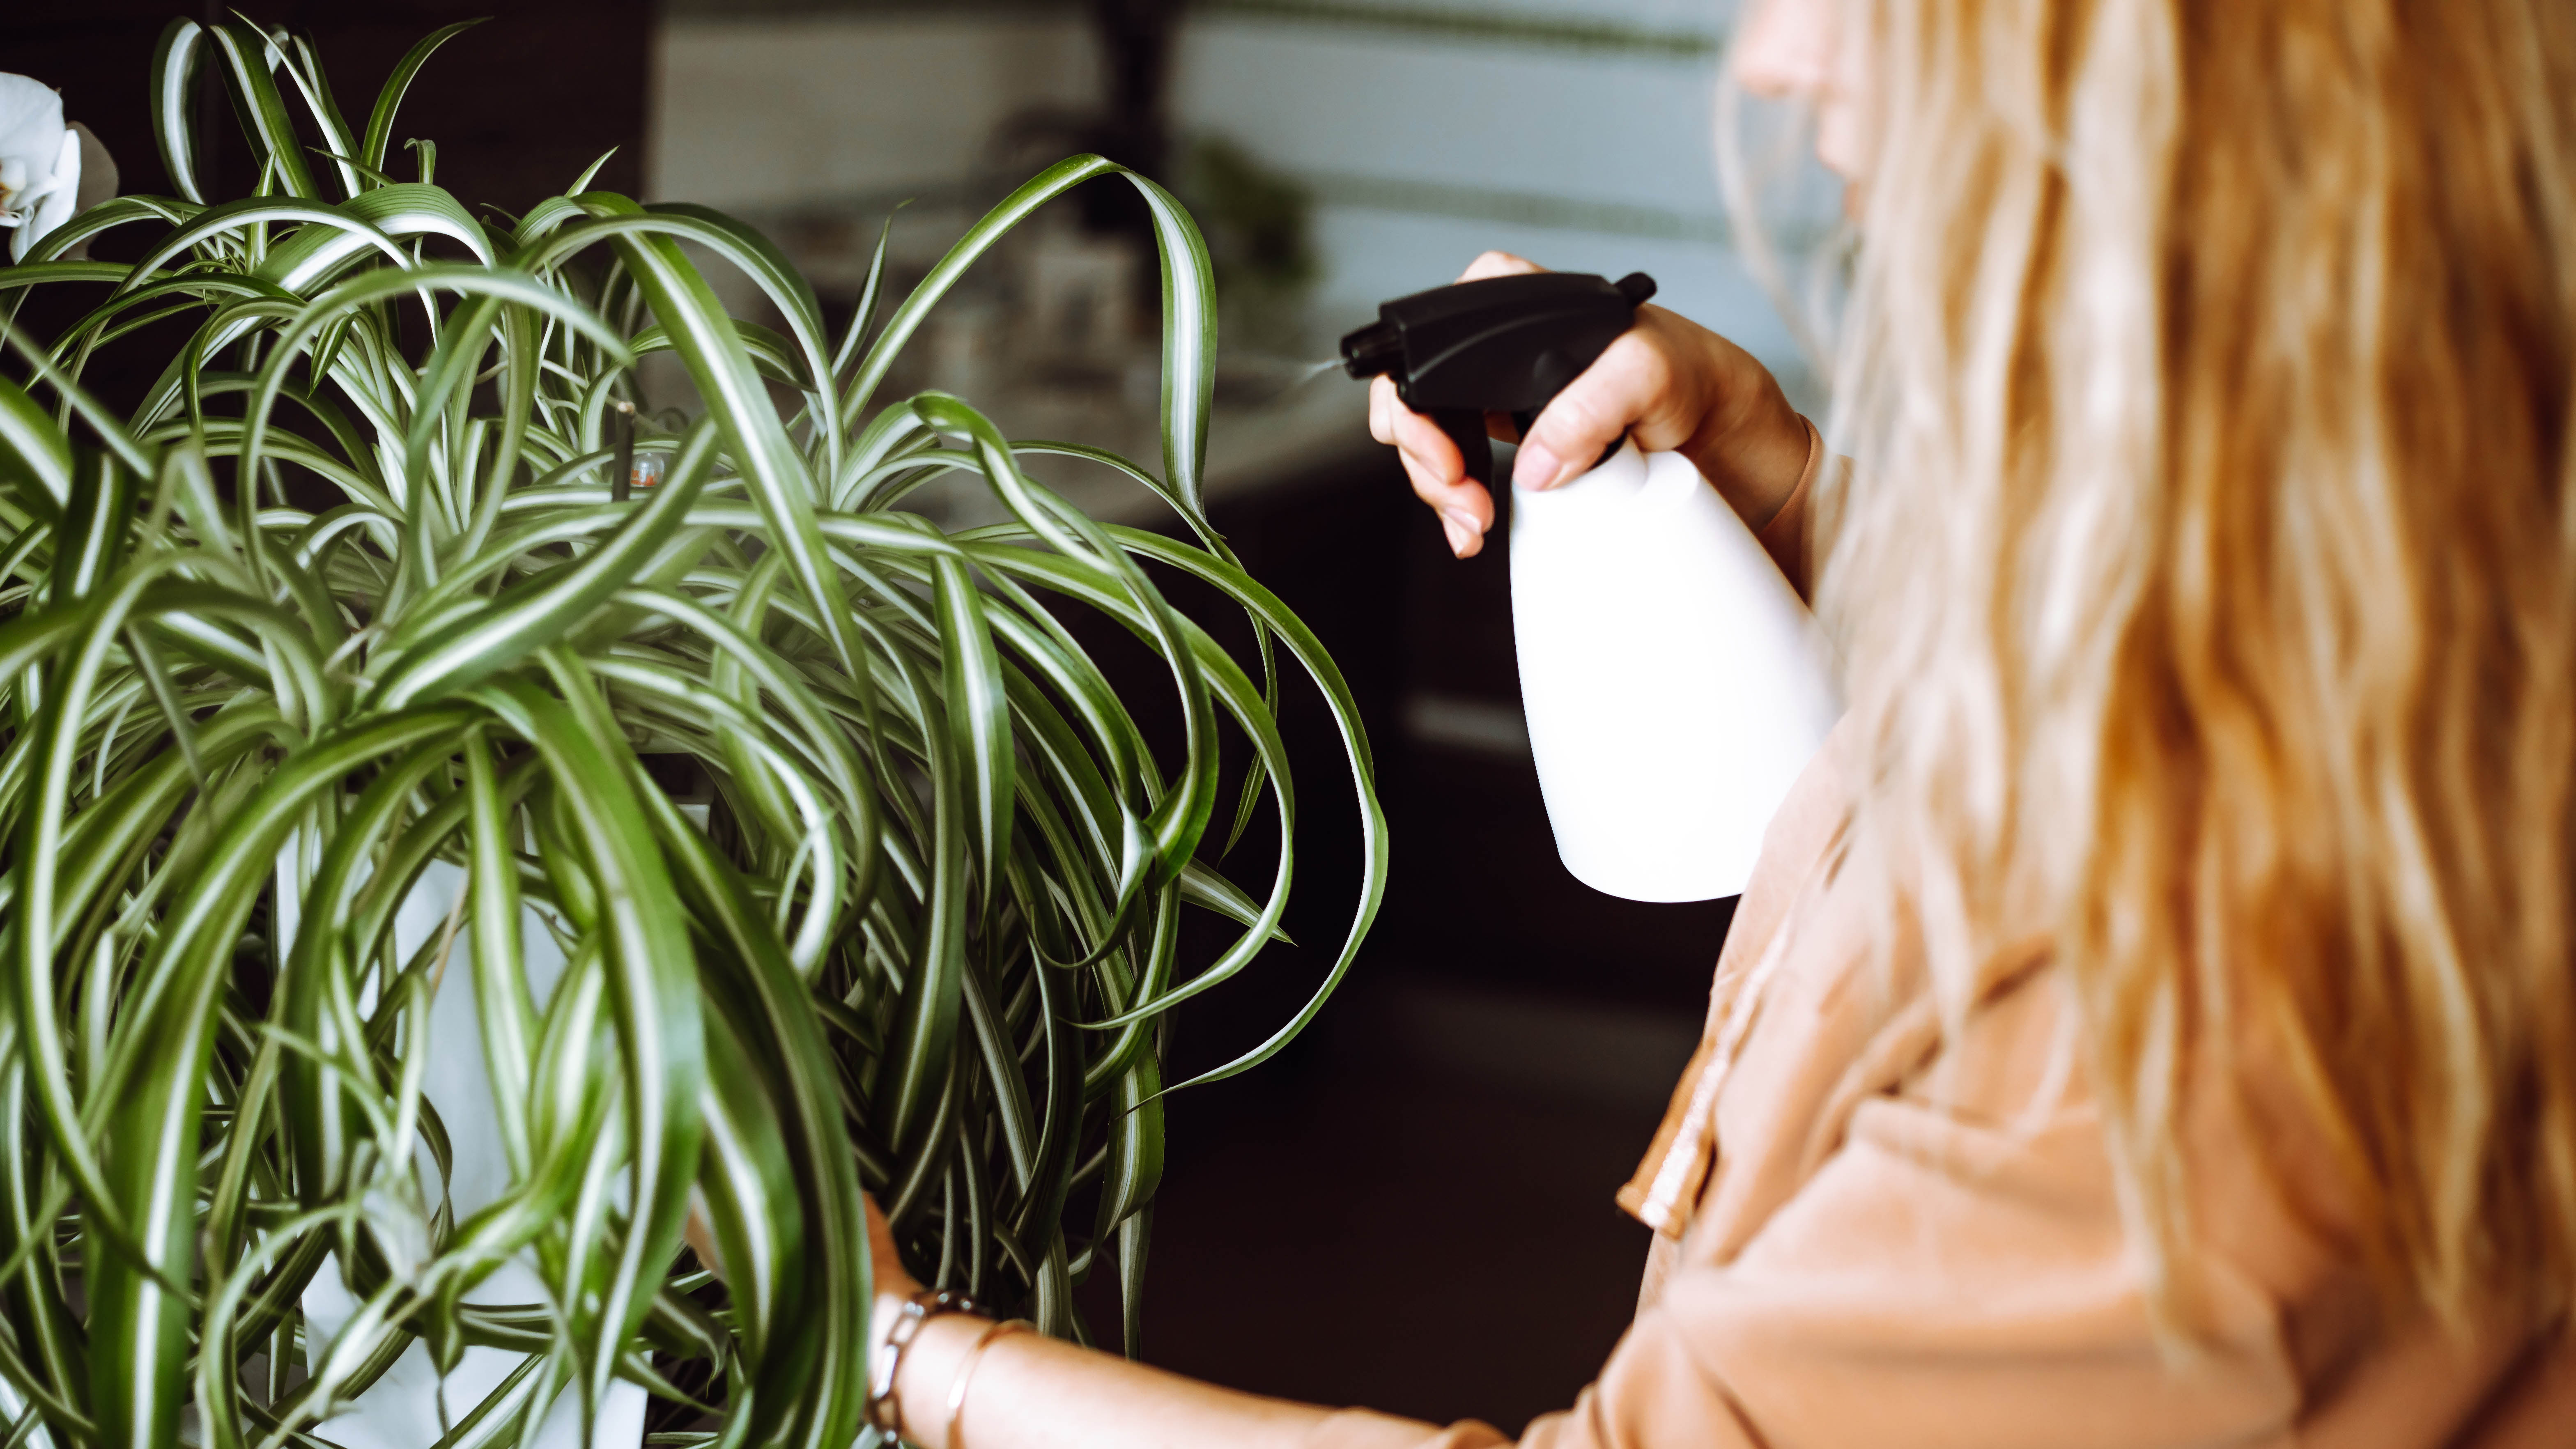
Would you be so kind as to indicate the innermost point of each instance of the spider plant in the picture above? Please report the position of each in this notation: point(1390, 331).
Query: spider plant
point(358, 599)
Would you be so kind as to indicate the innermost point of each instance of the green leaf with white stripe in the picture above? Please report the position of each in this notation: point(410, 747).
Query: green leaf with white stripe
point(861, 868)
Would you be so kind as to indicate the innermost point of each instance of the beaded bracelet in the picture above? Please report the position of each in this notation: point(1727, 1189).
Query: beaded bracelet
point(884, 1415)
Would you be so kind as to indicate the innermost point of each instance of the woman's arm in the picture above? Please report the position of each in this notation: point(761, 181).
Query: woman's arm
point(1029, 1391)
point(1952, 1273)
point(1033, 1392)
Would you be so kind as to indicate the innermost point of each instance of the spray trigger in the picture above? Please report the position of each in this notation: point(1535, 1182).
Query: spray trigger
point(1500, 344)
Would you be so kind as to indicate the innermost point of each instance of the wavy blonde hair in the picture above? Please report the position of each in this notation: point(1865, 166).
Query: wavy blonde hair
point(2206, 580)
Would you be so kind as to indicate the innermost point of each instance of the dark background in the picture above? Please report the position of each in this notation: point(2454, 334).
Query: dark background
point(518, 106)
point(1411, 1208)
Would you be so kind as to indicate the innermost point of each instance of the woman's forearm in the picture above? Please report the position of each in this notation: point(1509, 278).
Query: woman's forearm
point(1033, 1392)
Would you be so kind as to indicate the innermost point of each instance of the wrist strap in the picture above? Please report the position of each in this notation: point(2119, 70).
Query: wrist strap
point(884, 1414)
point(966, 1371)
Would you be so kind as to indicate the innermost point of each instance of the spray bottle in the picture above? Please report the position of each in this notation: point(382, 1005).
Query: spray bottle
point(1673, 682)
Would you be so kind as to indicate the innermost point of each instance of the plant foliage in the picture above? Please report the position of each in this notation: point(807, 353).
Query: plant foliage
point(920, 939)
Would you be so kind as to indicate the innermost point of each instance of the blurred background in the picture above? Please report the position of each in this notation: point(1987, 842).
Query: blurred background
point(1412, 1208)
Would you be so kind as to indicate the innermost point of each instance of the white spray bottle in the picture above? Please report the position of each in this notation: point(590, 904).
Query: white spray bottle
point(1673, 682)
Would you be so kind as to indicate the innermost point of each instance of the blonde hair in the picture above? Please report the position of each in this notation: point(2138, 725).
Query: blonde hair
point(2206, 580)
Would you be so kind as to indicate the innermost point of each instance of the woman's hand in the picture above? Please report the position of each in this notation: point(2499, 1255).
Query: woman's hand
point(1673, 384)
point(883, 1262)
point(1034, 1391)
point(894, 1282)
point(700, 1235)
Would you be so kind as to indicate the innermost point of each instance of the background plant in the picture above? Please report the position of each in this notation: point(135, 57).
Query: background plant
point(360, 588)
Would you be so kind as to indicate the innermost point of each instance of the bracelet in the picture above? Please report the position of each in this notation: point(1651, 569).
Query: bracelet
point(966, 1371)
point(882, 1413)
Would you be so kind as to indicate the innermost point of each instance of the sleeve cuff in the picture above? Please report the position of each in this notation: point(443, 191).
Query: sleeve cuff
point(1784, 536)
point(1796, 500)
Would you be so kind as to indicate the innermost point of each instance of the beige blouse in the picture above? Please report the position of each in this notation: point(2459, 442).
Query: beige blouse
point(1869, 1236)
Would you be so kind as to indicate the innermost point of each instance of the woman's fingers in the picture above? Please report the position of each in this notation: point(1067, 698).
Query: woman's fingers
point(1431, 460)
point(1632, 387)
point(1439, 476)
point(1498, 264)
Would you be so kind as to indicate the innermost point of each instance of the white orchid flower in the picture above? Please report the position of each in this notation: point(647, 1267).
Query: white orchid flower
point(40, 162)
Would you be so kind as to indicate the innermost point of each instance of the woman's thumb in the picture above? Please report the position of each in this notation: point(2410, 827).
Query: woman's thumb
point(1573, 432)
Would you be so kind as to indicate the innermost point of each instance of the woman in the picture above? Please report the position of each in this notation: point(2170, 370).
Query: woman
point(2151, 1022)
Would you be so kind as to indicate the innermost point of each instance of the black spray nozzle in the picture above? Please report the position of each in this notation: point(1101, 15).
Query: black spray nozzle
point(1500, 345)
